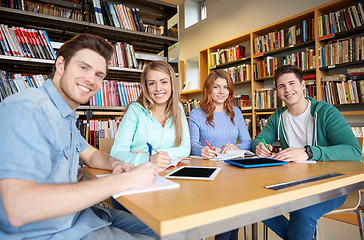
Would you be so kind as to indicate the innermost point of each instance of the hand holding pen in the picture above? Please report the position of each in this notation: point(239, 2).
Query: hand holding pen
point(263, 149)
point(208, 151)
point(160, 159)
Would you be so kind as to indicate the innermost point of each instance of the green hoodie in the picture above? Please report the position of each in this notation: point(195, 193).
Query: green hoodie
point(332, 137)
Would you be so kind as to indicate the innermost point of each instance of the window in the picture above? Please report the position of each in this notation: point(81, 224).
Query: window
point(195, 11)
point(203, 10)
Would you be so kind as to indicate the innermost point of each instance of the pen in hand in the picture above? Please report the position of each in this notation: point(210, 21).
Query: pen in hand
point(265, 144)
point(150, 148)
point(208, 144)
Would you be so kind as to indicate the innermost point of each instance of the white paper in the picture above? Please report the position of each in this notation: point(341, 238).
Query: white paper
point(232, 154)
point(160, 183)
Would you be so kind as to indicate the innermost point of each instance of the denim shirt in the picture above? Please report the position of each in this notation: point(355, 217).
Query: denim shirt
point(40, 142)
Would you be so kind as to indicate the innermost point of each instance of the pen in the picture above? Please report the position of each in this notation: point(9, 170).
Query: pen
point(151, 148)
point(208, 144)
point(265, 144)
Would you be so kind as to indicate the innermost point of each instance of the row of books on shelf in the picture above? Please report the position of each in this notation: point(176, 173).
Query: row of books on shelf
point(11, 83)
point(93, 130)
point(242, 102)
point(341, 51)
point(304, 60)
point(153, 29)
point(226, 55)
point(240, 73)
point(261, 122)
point(51, 9)
point(23, 42)
point(116, 15)
point(342, 20)
point(17, 4)
point(32, 43)
point(190, 104)
point(249, 125)
point(96, 11)
point(124, 56)
point(301, 32)
point(310, 89)
point(114, 93)
point(266, 98)
point(343, 89)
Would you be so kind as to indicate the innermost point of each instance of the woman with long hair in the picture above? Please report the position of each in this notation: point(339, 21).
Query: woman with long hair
point(217, 120)
point(157, 118)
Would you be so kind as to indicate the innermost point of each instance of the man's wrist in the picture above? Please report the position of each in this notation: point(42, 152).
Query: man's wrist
point(308, 152)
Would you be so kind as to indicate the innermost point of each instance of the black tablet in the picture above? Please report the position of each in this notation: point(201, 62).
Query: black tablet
point(195, 173)
point(255, 162)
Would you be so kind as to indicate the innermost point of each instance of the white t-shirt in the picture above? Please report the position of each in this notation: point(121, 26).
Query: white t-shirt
point(296, 128)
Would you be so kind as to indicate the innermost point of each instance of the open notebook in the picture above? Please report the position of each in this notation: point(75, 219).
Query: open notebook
point(160, 183)
point(232, 154)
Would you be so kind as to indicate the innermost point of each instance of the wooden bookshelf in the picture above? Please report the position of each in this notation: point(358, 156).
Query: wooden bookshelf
point(314, 43)
point(59, 29)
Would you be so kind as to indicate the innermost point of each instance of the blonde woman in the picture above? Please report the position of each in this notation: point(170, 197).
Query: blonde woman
point(157, 118)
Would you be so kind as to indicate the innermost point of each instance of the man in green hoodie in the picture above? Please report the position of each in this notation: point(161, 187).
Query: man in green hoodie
point(306, 130)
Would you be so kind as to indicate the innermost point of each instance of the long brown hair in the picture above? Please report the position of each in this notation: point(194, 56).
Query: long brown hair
point(173, 108)
point(207, 105)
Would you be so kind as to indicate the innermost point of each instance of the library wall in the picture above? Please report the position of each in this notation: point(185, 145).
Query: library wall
point(230, 18)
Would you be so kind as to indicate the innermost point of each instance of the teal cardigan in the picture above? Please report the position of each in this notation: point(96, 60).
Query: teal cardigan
point(332, 137)
point(138, 127)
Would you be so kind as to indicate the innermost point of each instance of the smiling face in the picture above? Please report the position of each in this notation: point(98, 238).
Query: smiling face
point(81, 78)
point(290, 89)
point(220, 92)
point(159, 87)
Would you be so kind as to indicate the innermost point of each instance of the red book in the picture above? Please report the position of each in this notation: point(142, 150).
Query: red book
point(107, 93)
point(21, 41)
point(29, 42)
point(36, 41)
point(103, 93)
point(115, 94)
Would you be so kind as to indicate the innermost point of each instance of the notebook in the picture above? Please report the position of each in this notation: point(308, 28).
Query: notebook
point(160, 183)
point(232, 154)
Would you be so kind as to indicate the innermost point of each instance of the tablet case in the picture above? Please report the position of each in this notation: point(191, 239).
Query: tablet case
point(265, 162)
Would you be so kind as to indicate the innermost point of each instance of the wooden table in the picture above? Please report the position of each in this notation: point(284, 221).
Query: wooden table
point(237, 196)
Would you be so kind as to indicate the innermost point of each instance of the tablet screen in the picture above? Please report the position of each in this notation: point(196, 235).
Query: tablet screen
point(191, 172)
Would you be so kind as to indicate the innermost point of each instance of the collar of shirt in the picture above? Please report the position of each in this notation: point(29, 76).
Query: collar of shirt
point(57, 99)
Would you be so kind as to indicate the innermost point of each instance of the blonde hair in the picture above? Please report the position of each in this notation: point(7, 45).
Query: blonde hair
point(173, 108)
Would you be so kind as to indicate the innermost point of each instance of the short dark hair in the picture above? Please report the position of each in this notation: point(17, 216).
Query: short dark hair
point(84, 41)
point(288, 69)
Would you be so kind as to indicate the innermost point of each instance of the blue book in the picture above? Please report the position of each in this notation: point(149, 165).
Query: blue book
point(113, 15)
point(122, 94)
point(29, 81)
point(49, 43)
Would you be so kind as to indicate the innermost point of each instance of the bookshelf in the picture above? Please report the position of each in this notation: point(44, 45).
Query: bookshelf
point(59, 29)
point(263, 53)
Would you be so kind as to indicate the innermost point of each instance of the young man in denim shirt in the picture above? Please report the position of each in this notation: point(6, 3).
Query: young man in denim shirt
point(40, 151)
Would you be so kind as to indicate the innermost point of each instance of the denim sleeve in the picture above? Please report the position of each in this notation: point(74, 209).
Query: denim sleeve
point(24, 151)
